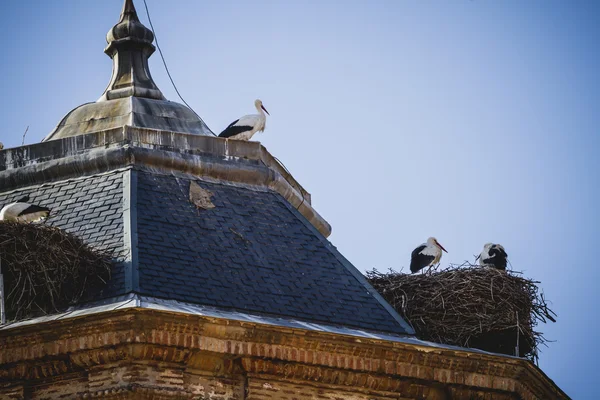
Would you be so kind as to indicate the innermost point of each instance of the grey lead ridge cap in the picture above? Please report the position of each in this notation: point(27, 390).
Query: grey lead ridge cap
point(132, 301)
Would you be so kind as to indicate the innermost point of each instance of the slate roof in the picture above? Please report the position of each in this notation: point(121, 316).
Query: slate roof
point(253, 252)
point(89, 207)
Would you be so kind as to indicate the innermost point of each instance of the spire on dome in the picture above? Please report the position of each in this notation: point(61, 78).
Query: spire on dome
point(130, 46)
point(128, 8)
point(132, 96)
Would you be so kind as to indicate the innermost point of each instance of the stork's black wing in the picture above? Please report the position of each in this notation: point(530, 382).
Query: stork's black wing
point(232, 124)
point(497, 257)
point(419, 261)
point(499, 251)
point(233, 130)
point(32, 209)
point(415, 252)
point(24, 199)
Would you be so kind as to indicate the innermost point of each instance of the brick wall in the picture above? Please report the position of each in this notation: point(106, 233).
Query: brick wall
point(131, 354)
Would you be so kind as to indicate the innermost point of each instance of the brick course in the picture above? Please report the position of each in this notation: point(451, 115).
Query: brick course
point(139, 354)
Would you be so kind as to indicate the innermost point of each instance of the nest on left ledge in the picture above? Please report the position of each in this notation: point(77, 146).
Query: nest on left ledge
point(46, 269)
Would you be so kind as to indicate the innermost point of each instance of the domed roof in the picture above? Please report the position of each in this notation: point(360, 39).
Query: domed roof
point(133, 111)
point(131, 98)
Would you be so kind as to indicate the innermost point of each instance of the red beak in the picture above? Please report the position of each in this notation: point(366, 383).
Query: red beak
point(441, 247)
point(263, 107)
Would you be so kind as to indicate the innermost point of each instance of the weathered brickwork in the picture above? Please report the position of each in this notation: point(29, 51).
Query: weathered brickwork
point(57, 389)
point(268, 389)
point(205, 386)
point(143, 354)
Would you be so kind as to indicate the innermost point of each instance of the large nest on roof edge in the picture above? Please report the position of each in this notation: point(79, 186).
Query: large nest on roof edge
point(471, 306)
point(46, 269)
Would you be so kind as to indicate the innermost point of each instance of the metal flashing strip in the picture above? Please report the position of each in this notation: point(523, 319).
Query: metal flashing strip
point(2, 296)
point(215, 158)
point(128, 301)
point(132, 301)
point(130, 231)
point(67, 180)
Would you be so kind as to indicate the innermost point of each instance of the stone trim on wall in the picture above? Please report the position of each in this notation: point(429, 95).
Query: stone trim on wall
point(140, 353)
point(235, 161)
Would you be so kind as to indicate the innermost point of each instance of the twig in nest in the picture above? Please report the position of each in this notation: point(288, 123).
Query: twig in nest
point(469, 305)
point(24, 133)
point(47, 269)
point(239, 235)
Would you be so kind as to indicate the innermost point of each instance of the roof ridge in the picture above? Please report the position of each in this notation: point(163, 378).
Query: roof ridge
point(350, 267)
point(67, 180)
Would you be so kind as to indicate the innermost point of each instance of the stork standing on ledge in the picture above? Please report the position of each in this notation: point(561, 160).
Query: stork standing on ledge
point(493, 255)
point(426, 255)
point(245, 127)
point(22, 211)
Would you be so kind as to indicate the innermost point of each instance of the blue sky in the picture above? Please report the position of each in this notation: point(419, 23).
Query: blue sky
point(472, 121)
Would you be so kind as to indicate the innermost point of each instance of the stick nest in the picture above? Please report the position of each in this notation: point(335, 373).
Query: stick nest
point(469, 306)
point(46, 269)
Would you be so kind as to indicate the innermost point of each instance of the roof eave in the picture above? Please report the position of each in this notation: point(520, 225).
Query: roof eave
point(233, 161)
point(242, 335)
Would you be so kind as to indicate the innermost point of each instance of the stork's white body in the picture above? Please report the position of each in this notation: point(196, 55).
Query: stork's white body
point(257, 122)
point(432, 250)
point(493, 255)
point(245, 127)
point(21, 211)
point(426, 255)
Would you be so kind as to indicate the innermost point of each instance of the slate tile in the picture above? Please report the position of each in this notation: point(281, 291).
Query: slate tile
point(71, 203)
point(271, 264)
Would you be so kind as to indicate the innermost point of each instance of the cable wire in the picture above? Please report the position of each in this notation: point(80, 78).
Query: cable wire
point(292, 176)
point(168, 72)
point(185, 102)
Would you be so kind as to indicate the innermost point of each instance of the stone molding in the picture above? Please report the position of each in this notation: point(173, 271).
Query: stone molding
point(221, 160)
point(166, 352)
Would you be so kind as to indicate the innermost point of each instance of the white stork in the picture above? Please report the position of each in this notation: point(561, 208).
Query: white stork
point(426, 255)
point(245, 127)
point(22, 211)
point(493, 255)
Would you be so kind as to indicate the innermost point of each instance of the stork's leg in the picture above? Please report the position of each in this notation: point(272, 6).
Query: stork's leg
point(432, 267)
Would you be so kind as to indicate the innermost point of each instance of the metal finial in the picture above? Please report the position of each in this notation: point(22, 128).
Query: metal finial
point(128, 8)
point(132, 41)
point(131, 98)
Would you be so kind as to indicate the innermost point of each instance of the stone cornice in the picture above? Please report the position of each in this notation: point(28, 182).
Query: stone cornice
point(229, 347)
point(230, 161)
